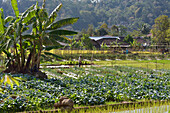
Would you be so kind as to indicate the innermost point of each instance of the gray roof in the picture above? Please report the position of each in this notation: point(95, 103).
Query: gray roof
point(103, 37)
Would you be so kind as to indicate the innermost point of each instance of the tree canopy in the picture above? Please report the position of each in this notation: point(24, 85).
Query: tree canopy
point(129, 13)
point(160, 29)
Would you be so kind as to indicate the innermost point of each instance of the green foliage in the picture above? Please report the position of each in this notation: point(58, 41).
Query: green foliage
point(104, 25)
point(1, 21)
point(113, 56)
point(128, 39)
point(105, 30)
point(160, 29)
point(136, 33)
point(145, 29)
point(74, 44)
point(90, 86)
point(112, 12)
point(104, 46)
point(8, 79)
point(101, 32)
point(115, 30)
point(122, 30)
point(62, 23)
point(15, 7)
point(86, 42)
point(135, 44)
point(23, 50)
point(90, 30)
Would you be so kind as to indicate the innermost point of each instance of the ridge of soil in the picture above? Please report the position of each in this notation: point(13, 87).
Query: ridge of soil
point(125, 104)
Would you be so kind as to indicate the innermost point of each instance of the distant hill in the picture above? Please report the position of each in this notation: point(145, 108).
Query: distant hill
point(130, 13)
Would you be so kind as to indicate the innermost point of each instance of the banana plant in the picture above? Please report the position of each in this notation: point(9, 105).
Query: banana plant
point(27, 48)
point(48, 31)
point(12, 43)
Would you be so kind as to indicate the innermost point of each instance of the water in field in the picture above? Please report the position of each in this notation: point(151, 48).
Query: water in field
point(155, 109)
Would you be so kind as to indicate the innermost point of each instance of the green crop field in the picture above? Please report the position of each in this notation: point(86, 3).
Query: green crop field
point(148, 64)
point(87, 86)
point(103, 83)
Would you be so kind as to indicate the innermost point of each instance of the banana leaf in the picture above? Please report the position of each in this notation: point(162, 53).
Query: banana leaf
point(15, 7)
point(57, 38)
point(47, 41)
point(29, 16)
point(8, 19)
point(27, 11)
point(1, 21)
point(53, 15)
point(48, 48)
point(32, 20)
point(62, 23)
point(54, 55)
point(30, 36)
point(62, 32)
point(43, 5)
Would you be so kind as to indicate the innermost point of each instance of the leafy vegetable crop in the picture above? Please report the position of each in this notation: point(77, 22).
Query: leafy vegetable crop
point(115, 84)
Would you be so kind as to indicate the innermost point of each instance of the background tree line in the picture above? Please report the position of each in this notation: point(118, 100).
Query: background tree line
point(130, 13)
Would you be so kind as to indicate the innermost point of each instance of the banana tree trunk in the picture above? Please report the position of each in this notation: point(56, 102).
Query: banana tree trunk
point(18, 57)
point(33, 57)
point(27, 66)
point(39, 54)
point(38, 59)
point(22, 54)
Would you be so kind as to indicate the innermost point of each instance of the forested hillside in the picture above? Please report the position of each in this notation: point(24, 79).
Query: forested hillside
point(129, 13)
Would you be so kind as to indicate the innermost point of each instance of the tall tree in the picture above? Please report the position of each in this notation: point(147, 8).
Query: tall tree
point(105, 26)
point(160, 29)
point(90, 30)
point(101, 32)
point(122, 30)
point(145, 28)
point(114, 30)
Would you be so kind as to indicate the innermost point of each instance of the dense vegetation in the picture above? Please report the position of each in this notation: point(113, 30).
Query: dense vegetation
point(90, 86)
point(131, 14)
point(23, 51)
